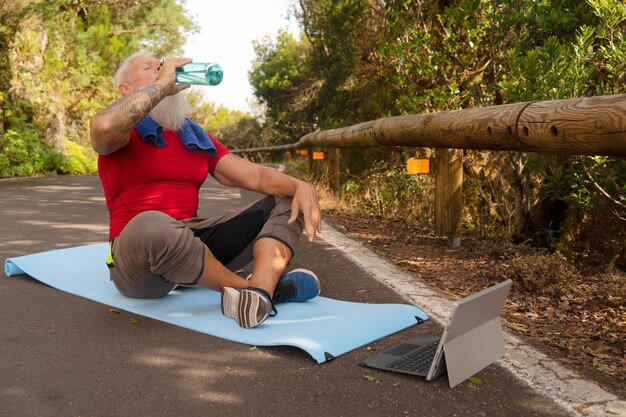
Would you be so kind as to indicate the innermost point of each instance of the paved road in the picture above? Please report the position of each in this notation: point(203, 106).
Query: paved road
point(62, 355)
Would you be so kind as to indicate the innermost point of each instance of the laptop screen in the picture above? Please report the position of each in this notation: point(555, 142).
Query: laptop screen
point(477, 309)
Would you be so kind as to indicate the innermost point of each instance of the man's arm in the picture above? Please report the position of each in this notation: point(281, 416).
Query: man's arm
point(110, 128)
point(233, 171)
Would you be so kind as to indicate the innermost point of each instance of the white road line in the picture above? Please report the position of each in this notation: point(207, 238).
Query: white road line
point(578, 396)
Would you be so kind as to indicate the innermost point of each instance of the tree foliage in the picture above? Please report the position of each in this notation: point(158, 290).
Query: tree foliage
point(57, 59)
point(358, 60)
point(282, 82)
point(233, 128)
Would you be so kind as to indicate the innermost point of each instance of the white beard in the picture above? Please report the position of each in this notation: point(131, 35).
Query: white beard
point(171, 111)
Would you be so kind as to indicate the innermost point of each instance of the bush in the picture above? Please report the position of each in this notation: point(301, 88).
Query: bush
point(23, 154)
point(78, 160)
point(388, 191)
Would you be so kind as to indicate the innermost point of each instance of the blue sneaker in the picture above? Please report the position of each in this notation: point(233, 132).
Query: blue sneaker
point(249, 307)
point(298, 285)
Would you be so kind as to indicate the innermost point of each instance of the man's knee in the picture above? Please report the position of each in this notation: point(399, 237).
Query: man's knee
point(283, 203)
point(153, 253)
point(278, 227)
point(283, 209)
point(151, 234)
point(148, 224)
point(147, 287)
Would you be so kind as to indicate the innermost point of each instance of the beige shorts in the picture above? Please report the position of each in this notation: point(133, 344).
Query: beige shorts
point(156, 252)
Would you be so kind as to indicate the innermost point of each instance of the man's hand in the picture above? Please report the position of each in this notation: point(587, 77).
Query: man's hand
point(167, 75)
point(305, 200)
point(233, 171)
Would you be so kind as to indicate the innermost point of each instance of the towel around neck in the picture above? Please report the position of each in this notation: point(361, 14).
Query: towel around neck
point(191, 135)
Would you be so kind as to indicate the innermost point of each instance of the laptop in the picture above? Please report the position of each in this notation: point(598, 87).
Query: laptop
point(471, 340)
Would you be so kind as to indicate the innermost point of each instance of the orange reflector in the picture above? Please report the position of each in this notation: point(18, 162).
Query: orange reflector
point(318, 155)
point(304, 152)
point(287, 153)
point(418, 166)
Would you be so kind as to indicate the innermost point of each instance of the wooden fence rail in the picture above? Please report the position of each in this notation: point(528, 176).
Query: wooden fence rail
point(579, 126)
point(592, 126)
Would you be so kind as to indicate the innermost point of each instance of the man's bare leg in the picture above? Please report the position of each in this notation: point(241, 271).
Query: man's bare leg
point(216, 276)
point(271, 257)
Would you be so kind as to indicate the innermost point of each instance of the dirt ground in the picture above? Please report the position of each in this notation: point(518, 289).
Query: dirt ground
point(575, 315)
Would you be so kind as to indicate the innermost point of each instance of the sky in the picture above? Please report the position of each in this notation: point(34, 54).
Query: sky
point(227, 29)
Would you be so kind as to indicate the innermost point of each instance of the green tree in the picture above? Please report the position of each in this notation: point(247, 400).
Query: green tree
point(344, 36)
point(282, 81)
point(235, 129)
point(59, 61)
point(568, 198)
point(367, 59)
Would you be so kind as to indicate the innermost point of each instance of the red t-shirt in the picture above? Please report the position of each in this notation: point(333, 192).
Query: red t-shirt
point(141, 177)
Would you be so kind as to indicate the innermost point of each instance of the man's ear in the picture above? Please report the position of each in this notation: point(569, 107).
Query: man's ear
point(124, 88)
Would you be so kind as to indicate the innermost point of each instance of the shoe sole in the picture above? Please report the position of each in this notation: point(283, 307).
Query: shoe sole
point(246, 307)
point(317, 285)
point(317, 280)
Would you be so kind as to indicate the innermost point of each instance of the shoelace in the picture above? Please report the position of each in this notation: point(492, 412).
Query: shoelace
point(284, 291)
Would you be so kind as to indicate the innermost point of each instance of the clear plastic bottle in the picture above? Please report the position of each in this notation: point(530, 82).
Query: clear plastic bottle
point(199, 73)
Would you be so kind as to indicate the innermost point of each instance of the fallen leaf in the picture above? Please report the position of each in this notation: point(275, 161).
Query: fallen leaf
point(474, 380)
point(112, 310)
point(252, 348)
point(599, 354)
point(519, 327)
point(134, 321)
point(370, 378)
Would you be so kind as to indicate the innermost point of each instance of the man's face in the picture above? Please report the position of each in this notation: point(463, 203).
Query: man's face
point(142, 71)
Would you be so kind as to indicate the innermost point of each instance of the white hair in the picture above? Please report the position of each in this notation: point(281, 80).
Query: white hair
point(119, 74)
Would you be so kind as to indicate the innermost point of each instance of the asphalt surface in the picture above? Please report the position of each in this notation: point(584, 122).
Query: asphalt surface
point(61, 355)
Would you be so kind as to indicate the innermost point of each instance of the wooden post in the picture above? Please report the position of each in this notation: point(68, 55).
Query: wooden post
point(449, 195)
point(333, 170)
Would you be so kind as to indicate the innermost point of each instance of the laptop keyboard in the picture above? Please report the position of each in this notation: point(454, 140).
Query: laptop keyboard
point(419, 361)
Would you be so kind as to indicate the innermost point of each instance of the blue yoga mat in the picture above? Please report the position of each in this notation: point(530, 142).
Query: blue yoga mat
point(323, 327)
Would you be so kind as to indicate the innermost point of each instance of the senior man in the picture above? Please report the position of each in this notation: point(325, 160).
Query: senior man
point(152, 162)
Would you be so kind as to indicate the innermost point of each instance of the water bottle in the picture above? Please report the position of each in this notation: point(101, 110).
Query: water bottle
point(199, 73)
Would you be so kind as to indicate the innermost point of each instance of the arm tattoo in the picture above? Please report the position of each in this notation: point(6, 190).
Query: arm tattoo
point(129, 110)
